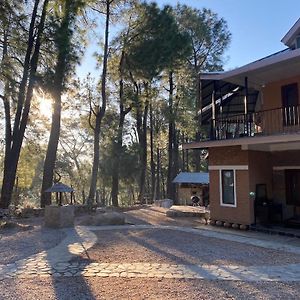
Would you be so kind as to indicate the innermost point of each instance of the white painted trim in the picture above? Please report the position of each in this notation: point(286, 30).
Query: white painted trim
point(234, 186)
point(281, 168)
point(265, 62)
point(287, 39)
point(228, 167)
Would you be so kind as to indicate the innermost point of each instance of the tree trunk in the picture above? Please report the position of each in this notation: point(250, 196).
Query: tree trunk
point(23, 106)
point(176, 162)
point(157, 189)
point(116, 161)
point(187, 156)
point(49, 164)
point(183, 154)
point(101, 111)
point(117, 146)
point(171, 136)
point(60, 74)
point(96, 159)
point(143, 153)
point(6, 103)
point(199, 121)
point(152, 163)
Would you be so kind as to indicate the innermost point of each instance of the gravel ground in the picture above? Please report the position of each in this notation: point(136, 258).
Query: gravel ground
point(18, 244)
point(174, 247)
point(148, 245)
point(79, 288)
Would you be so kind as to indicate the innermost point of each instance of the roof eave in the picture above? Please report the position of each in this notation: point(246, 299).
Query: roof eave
point(232, 75)
point(290, 35)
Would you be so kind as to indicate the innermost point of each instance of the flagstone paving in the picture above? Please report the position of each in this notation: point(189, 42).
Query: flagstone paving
point(57, 262)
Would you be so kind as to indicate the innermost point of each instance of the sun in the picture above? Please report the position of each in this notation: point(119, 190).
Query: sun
point(45, 107)
point(43, 103)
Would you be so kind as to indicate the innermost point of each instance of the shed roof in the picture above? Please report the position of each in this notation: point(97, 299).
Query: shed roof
point(59, 187)
point(195, 177)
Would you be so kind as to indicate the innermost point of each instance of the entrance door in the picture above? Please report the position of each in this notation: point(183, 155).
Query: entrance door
point(292, 178)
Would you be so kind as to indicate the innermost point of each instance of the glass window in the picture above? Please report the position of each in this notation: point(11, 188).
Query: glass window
point(228, 185)
point(298, 42)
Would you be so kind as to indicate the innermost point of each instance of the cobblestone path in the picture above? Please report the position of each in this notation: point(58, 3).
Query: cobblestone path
point(56, 261)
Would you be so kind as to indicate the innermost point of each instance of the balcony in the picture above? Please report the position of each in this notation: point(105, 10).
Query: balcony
point(283, 120)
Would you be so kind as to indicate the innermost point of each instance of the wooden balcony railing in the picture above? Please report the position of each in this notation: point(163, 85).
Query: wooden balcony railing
point(265, 122)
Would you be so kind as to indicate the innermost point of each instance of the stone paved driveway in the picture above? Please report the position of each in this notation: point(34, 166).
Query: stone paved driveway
point(58, 261)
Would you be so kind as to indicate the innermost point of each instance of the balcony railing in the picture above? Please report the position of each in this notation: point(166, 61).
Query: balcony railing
point(265, 122)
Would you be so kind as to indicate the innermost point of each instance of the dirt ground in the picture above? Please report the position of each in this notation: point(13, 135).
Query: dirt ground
point(174, 247)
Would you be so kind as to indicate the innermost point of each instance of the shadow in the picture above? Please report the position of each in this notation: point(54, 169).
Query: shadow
point(261, 289)
point(25, 239)
point(42, 265)
point(173, 248)
point(151, 217)
point(69, 283)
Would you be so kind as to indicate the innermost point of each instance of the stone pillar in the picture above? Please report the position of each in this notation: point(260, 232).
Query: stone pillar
point(59, 216)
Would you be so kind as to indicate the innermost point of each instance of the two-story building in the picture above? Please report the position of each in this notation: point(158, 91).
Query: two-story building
point(252, 118)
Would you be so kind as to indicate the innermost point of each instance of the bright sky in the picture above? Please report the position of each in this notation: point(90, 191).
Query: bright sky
point(257, 27)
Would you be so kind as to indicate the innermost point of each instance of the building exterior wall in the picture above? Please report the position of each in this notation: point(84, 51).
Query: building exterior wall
point(282, 161)
point(185, 193)
point(230, 158)
point(232, 155)
point(272, 92)
point(240, 214)
point(272, 121)
point(262, 168)
point(286, 158)
point(279, 193)
point(260, 172)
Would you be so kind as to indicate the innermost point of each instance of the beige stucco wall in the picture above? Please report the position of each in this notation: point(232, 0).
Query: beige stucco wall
point(272, 92)
point(272, 121)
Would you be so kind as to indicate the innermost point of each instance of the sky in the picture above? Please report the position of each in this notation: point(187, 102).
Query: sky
point(257, 27)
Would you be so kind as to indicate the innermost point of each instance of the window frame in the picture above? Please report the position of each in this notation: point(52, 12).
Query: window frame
point(221, 187)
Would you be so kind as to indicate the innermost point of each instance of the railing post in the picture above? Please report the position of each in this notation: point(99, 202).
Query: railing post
point(212, 130)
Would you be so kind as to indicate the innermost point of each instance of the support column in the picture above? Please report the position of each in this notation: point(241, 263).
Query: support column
point(247, 126)
point(213, 113)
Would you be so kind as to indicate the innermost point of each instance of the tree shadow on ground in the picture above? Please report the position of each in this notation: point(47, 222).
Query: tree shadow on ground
point(69, 284)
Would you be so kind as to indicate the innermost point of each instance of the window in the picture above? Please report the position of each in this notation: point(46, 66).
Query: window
point(298, 42)
point(227, 187)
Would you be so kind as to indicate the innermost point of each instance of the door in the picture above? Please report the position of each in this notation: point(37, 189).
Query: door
point(289, 95)
point(292, 178)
